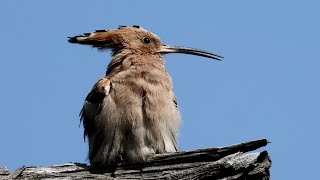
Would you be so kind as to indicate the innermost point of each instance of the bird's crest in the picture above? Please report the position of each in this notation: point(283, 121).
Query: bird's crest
point(130, 37)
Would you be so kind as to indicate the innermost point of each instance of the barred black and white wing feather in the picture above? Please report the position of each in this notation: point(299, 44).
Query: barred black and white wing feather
point(92, 105)
point(90, 112)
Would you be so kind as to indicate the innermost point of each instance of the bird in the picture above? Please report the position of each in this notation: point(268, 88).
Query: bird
point(131, 113)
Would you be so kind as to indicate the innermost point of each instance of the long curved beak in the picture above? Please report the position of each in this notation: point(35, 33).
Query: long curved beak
point(165, 49)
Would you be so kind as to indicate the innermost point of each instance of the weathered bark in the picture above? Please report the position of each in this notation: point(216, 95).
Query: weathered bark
point(224, 163)
point(3, 171)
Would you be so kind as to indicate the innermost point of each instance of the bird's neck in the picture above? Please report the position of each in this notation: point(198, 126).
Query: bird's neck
point(144, 71)
point(126, 59)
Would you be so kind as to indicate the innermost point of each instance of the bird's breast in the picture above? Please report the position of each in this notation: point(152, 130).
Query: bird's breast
point(143, 87)
point(141, 101)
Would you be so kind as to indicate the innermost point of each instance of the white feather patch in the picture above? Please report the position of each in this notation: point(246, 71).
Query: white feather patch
point(107, 89)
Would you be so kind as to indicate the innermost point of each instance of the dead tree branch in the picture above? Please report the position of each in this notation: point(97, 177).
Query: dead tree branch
point(227, 163)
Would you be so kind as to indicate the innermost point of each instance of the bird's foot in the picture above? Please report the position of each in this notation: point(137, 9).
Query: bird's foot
point(119, 160)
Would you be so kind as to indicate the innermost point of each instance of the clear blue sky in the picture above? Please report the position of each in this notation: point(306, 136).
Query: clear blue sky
point(267, 87)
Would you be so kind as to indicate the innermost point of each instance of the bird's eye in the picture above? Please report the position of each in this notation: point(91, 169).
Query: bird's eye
point(146, 40)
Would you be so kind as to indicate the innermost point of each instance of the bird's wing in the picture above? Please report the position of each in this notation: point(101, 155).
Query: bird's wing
point(92, 105)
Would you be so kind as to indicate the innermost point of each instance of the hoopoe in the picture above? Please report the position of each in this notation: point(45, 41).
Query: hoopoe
point(131, 113)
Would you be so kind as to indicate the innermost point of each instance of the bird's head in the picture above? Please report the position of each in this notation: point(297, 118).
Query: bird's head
point(135, 39)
